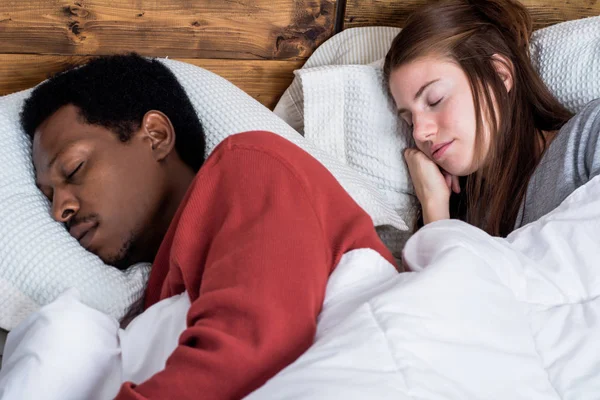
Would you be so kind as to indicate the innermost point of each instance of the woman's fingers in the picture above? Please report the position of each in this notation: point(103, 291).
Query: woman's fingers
point(448, 179)
point(455, 184)
point(452, 182)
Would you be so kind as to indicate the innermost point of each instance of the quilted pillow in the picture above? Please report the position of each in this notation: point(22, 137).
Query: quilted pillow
point(349, 114)
point(40, 260)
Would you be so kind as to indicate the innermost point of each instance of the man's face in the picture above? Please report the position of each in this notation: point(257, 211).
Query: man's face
point(107, 192)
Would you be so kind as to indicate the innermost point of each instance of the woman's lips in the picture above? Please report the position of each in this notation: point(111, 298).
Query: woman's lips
point(438, 151)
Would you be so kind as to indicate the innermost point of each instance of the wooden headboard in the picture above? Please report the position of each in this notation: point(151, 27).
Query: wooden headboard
point(256, 44)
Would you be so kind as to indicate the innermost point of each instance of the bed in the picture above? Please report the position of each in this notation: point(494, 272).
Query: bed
point(255, 44)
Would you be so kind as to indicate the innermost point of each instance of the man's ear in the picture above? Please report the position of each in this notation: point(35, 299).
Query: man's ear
point(158, 131)
point(505, 69)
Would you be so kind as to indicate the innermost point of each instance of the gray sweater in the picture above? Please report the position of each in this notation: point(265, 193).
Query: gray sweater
point(571, 160)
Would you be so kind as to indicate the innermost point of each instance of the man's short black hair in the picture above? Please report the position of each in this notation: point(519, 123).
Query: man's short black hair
point(116, 92)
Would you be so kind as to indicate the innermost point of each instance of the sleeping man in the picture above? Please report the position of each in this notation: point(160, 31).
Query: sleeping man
point(250, 233)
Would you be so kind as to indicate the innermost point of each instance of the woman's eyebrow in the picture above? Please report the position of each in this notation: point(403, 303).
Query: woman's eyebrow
point(419, 93)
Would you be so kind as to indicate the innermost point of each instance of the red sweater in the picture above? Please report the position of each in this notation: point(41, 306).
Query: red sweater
point(254, 241)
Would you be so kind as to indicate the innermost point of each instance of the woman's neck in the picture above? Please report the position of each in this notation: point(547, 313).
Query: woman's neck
point(545, 139)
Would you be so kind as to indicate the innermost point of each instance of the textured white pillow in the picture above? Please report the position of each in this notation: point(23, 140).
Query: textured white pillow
point(355, 46)
point(567, 57)
point(349, 114)
point(39, 260)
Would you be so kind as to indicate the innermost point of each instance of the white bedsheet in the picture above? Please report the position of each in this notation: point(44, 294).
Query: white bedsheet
point(480, 318)
point(67, 350)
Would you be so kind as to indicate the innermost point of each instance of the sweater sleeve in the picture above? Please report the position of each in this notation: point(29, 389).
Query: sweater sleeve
point(571, 160)
point(262, 285)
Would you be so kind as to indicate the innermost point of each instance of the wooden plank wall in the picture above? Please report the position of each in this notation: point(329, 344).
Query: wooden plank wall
point(256, 44)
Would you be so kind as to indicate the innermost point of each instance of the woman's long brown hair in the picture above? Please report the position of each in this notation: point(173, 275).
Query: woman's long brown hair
point(477, 34)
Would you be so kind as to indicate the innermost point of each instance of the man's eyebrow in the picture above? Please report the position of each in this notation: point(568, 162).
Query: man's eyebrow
point(419, 93)
point(53, 160)
point(60, 153)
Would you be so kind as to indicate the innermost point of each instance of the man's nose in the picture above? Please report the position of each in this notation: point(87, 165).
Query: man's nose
point(64, 205)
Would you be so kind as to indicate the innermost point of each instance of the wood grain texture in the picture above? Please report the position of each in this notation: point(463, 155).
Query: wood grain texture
point(221, 29)
point(263, 80)
point(395, 12)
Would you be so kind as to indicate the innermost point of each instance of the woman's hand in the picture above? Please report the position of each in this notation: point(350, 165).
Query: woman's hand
point(432, 185)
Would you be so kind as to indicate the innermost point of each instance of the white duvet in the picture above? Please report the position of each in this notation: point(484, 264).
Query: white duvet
point(480, 318)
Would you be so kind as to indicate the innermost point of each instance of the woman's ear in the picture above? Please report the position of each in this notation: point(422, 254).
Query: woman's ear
point(158, 130)
point(504, 68)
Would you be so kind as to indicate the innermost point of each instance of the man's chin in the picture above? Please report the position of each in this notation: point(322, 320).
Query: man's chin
point(128, 253)
point(117, 260)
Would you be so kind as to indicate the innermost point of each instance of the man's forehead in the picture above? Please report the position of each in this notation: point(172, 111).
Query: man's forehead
point(44, 159)
point(54, 135)
point(58, 122)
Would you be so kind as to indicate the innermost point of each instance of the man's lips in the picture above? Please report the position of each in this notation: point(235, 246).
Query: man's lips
point(83, 231)
point(86, 239)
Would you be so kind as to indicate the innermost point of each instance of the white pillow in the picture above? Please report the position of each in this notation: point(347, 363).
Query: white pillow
point(39, 260)
point(567, 57)
point(348, 113)
point(339, 101)
point(350, 47)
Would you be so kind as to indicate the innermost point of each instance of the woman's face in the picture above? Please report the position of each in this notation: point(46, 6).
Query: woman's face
point(434, 97)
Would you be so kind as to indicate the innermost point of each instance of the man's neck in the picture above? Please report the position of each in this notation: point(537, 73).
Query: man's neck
point(180, 179)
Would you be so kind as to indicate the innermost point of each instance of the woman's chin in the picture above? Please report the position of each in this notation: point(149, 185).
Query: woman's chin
point(457, 169)
point(451, 169)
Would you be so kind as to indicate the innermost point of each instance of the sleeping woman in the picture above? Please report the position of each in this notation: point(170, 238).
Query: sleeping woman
point(493, 146)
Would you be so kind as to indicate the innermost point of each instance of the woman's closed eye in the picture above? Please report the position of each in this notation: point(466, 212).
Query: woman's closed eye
point(435, 103)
